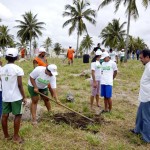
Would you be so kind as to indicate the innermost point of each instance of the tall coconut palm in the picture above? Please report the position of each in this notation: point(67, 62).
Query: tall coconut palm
point(77, 13)
point(131, 11)
point(87, 43)
point(29, 28)
point(5, 37)
point(47, 44)
point(113, 33)
point(140, 44)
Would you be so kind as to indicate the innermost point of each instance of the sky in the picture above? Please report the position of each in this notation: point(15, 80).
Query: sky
point(50, 12)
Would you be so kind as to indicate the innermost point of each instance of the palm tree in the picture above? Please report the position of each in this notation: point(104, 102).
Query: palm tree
point(87, 43)
point(35, 44)
point(113, 33)
point(131, 11)
point(29, 28)
point(57, 48)
point(47, 44)
point(5, 37)
point(77, 13)
point(140, 44)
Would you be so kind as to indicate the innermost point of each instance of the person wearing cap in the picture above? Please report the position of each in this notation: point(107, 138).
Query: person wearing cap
point(95, 78)
point(109, 72)
point(38, 81)
point(70, 56)
point(13, 93)
point(22, 51)
point(40, 60)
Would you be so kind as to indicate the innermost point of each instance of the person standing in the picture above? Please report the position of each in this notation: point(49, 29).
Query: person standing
point(142, 125)
point(97, 48)
point(70, 55)
point(38, 81)
point(113, 55)
point(95, 78)
point(13, 94)
point(109, 72)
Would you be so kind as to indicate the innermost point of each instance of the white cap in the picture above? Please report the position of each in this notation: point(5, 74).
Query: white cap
point(122, 49)
point(98, 52)
point(42, 50)
point(53, 69)
point(12, 52)
point(104, 55)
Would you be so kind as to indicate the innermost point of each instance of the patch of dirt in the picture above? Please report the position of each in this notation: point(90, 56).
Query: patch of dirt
point(77, 121)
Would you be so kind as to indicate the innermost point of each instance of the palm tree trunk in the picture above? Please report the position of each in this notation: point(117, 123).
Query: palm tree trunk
point(30, 48)
point(127, 38)
point(77, 44)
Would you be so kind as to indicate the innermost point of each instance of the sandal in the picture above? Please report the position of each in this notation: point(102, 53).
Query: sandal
point(104, 111)
point(34, 123)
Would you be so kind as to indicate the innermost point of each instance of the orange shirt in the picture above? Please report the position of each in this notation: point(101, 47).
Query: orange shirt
point(70, 53)
point(40, 62)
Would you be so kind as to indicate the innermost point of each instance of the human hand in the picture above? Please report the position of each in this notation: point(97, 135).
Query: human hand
point(36, 90)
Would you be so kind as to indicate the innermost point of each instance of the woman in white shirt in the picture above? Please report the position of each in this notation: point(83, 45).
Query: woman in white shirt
point(95, 78)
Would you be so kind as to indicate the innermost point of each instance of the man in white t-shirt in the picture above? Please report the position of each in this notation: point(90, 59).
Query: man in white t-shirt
point(39, 79)
point(109, 72)
point(113, 55)
point(142, 125)
point(122, 55)
point(13, 93)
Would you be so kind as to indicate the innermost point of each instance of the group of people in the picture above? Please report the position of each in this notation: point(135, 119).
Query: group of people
point(43, 78)
point(13, 95)
point(102, 81)
point(102, 76)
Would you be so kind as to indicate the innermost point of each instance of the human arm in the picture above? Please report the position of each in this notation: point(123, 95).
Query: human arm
point(115, 74)
point(93, 77)
point(34, 84)
point(20, 86)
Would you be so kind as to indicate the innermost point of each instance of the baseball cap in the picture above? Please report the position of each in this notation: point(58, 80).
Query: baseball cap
point(104, 55)
point(12, 52)
point(122, 49)
point(53, 69)
point(42, 50)
point(98, 52)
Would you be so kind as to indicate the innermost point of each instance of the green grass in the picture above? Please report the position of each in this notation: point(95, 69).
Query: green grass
point(113, 133)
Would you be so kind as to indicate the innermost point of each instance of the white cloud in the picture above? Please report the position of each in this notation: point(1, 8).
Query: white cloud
point(50, 12)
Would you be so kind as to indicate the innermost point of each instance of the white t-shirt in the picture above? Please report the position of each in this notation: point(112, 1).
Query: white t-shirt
point(122, 54)
point(113, 55)
point(9, 76)
point(108, 69)
point(41, 78)
point(144, 93)
point(96, 66)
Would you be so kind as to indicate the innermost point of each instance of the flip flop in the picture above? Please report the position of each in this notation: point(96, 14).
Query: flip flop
point(34, 123)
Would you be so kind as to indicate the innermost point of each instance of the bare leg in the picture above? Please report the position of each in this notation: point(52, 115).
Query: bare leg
point(5, 125)
point(97, 100)
point(91, 101)
point(47, 103)
point(110, 104)
point(106, 104)
point(34, 107)
point(17, 121)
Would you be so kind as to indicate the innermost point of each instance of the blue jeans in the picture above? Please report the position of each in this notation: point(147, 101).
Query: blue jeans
point(0, 103)
point(143, 121)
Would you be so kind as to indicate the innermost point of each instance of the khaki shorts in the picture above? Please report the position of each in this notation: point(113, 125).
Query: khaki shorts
point(15, 107)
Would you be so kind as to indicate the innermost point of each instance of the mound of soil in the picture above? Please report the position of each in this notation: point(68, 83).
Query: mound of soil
point(77, 121)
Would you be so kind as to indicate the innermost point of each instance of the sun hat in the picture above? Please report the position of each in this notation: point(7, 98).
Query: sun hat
point(53, 69)
point(98, 52)
point(42, 50)
point(104, 55)
point(12, 52)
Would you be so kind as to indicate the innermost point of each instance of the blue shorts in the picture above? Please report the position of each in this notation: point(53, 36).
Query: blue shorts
point(106, 91)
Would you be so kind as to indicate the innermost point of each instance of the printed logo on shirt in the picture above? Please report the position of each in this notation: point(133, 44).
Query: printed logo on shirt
point(98, 67)
point(107, 68)
point(6, 78)
point(43, 81)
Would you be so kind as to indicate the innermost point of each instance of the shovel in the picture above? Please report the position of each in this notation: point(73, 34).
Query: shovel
point(66, 107)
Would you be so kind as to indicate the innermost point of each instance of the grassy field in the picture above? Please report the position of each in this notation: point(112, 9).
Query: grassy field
point(113, 132)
